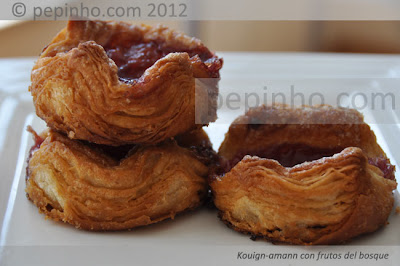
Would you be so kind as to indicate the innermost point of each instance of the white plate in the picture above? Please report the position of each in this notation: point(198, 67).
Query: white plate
point(195, 238)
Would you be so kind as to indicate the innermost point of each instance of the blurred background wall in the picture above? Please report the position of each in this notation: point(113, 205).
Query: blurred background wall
point(28, 38)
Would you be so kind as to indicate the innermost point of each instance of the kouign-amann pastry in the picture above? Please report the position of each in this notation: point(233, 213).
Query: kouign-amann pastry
point(98, 187)
point(114, 83)
point(303, 175)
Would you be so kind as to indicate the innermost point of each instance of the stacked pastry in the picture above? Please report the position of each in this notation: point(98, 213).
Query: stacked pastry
point(124, 146)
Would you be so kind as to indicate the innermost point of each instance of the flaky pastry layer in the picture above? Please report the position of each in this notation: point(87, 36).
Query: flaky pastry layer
point(77, 89)
point(326, 201)
point(81, 184)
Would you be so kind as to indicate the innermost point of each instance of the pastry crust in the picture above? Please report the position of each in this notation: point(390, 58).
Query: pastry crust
point(323, 201)
point(77, 88)
point(81, 184)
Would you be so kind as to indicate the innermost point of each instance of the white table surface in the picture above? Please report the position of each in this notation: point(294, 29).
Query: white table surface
point(197, 238)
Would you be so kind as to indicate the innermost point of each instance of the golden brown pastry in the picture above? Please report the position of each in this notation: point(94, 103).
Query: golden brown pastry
point(308, 176)
point(114, 83)
point(97, 187)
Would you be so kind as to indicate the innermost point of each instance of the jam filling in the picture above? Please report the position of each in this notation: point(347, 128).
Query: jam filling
point(134, 57)
point(37, 141)
point(385, 166)
point(204, 154)
point(289, 155)
point(118, 153)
